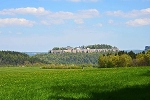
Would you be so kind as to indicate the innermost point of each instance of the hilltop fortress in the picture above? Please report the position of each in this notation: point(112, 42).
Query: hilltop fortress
point(84, 49)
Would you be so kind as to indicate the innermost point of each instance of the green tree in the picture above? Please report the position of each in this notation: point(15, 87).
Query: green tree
point(108, 61)
point(121, 53)
point(55, 48)
point(148, 57)
point(114, 60)
point(132, 54)
point(125, 60)
point(102, 61)
point(142, 59)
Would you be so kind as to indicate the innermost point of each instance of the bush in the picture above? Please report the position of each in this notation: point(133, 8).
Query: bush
point(111, 61)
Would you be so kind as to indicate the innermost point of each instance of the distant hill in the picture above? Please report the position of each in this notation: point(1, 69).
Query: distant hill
point(17, 58)
point(135, 51)
point(34, 53)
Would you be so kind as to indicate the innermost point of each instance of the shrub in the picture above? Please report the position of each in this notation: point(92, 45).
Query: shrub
point(111, 61)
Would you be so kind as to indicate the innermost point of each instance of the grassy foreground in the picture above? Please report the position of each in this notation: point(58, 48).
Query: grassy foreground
point(32, 83)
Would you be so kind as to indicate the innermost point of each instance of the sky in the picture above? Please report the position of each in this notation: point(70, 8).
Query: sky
point(40, 25)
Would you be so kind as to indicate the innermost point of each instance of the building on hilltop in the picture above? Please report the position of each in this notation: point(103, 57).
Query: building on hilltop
point(147, 48)
point(81, 49)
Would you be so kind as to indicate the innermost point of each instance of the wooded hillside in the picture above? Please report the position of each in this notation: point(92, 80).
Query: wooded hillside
point(16, 58)
point(71, 58)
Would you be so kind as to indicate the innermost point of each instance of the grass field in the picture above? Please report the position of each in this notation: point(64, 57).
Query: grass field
point(32, 83)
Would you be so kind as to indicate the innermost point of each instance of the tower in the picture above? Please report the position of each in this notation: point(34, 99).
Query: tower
point(147, 48)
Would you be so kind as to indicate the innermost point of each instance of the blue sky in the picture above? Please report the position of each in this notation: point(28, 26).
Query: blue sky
point(40, 25)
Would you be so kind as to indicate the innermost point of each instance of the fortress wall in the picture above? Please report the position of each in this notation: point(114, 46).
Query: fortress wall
point(82, 50)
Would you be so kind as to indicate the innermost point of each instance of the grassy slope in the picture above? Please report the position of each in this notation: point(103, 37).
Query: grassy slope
point(88, 84)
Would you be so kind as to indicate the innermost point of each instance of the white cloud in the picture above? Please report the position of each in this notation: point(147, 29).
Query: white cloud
point(133, 13)
point(52, 21)
point(27, 10)
point(79, 21)
point(16, 21)
point(61, 16)
point(138, 22)
point(115, 13)
point(50, 17)
point(41, 11)
point(88, 13)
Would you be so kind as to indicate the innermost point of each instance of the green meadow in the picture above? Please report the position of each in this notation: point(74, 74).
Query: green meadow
point(33, 83)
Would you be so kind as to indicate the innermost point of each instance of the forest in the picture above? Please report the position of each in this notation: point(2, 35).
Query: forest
point(99, 59)
point(124, 59)
point(96, 46)
point(100, 46)
point(72, 58)
point(17, 58)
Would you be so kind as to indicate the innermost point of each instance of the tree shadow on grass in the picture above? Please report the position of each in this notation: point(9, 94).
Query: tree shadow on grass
point(62, 92)
point(129, 93)
point(147, 73)
point(64, 98)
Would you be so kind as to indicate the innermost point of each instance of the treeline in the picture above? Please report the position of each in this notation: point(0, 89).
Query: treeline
point(103, 59)
point(71, 58)
point(100, 46)
point(124, 59)
point(17, 58)
point(59, 48)
point(96, 46)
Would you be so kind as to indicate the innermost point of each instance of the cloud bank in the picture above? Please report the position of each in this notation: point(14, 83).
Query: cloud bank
point(133, 13)
point(27, 10)
point(47, 17)
point(138, 22)
point(16, 21)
